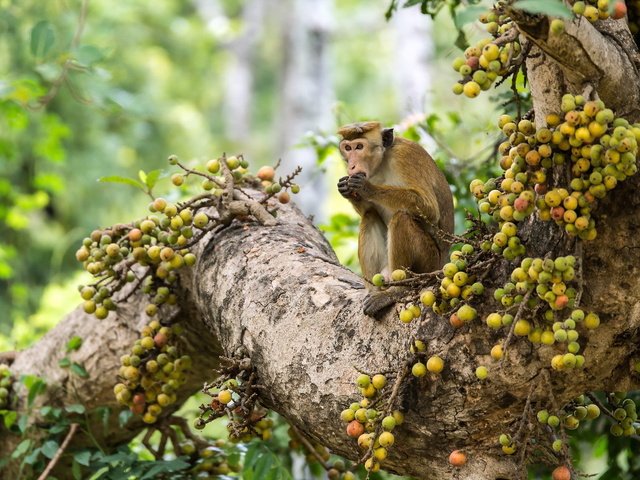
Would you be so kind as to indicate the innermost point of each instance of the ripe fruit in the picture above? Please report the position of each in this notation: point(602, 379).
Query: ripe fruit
point(363, 380)
point(471, 89)
point(266, 173)
point(233, 162)
point(388, 423)
point(224, 396)
point(466, 313)
point(455, 321)
point(284, 197)
point(200, 220)
point(213, 166)
point(419, 369)
point(372, 465)
point(497, 352)
point(435, 364)
point(561, 473)
point(386, 439)
point(591, 321)
point(379, 381)
point(355, 429)
point(557, 26)
point(457, 458)
point(406, 316)
point(398, 275)
point(620, 10)
point(177, 179)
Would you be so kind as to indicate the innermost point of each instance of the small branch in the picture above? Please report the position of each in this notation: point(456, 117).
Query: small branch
point(507, 37)
point(309, 447)
point(228, 180)
point(515, 319)
point(251, 207)
point(56, 457)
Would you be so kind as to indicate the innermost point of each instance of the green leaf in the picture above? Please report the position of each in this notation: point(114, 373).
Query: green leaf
point(59, 428)
point(89, 54)
point(600, 446)
point(10, 417)
point(35, 385)
point(74, 343)
point(142, 176)
point(461, 41)
point(50, 71)
point(554, 8)
point(49, 448)
point(32, 457)
point(263, 465)
point(79, 370)
point(76, 471)
point(51, 412)
point(124, 180)
point(253, 453)
point(468, 15)
point(75, 408)
point(104, 413)
point(165, 467)
point(83, 457)
point(42, 38)
point(64, 362)
point(152, 178)
point(22, 448)
point(23, 422)
point(124, 416)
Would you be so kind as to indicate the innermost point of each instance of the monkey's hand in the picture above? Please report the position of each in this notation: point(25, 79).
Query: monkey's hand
point(355, 187)
point(343, 187)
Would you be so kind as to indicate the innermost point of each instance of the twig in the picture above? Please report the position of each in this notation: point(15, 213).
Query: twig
point(396, 387)
point(507, 37)
point(228, 180)
point(309, 447)
point(515, 320)
point(56, 457)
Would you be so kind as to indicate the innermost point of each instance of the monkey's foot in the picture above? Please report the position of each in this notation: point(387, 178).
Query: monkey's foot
point(375, 302)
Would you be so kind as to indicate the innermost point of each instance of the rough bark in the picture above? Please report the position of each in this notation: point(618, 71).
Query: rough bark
point(278, 295)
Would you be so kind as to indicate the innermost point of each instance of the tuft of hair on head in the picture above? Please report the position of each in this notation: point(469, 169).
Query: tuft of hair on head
point(357, 130)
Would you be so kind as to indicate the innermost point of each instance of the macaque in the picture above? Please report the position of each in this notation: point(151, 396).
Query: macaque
point(401, 195)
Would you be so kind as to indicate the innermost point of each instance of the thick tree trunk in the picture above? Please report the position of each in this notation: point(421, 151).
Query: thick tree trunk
point(277, 295)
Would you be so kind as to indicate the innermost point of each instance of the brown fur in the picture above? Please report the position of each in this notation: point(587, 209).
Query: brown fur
point(394, 190)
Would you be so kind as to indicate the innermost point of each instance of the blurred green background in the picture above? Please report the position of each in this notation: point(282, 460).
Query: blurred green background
point(101, 88)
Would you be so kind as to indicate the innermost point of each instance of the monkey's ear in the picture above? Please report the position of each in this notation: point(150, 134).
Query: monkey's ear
point(387, 137)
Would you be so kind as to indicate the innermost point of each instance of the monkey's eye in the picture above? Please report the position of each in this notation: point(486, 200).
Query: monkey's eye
point(359, 146)
point(347, 148)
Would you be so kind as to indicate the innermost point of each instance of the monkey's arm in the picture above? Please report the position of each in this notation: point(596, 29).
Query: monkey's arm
point(395, 198)
point(359, 204)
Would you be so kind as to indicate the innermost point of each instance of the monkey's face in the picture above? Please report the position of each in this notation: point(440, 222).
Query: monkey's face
point(361, 155)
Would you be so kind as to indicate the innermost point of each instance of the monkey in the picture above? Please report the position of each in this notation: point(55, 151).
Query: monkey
point(400, 195)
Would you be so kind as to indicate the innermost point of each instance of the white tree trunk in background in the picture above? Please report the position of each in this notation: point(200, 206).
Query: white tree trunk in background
point(306, 92)
point(413, 60)
point(239, 70)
